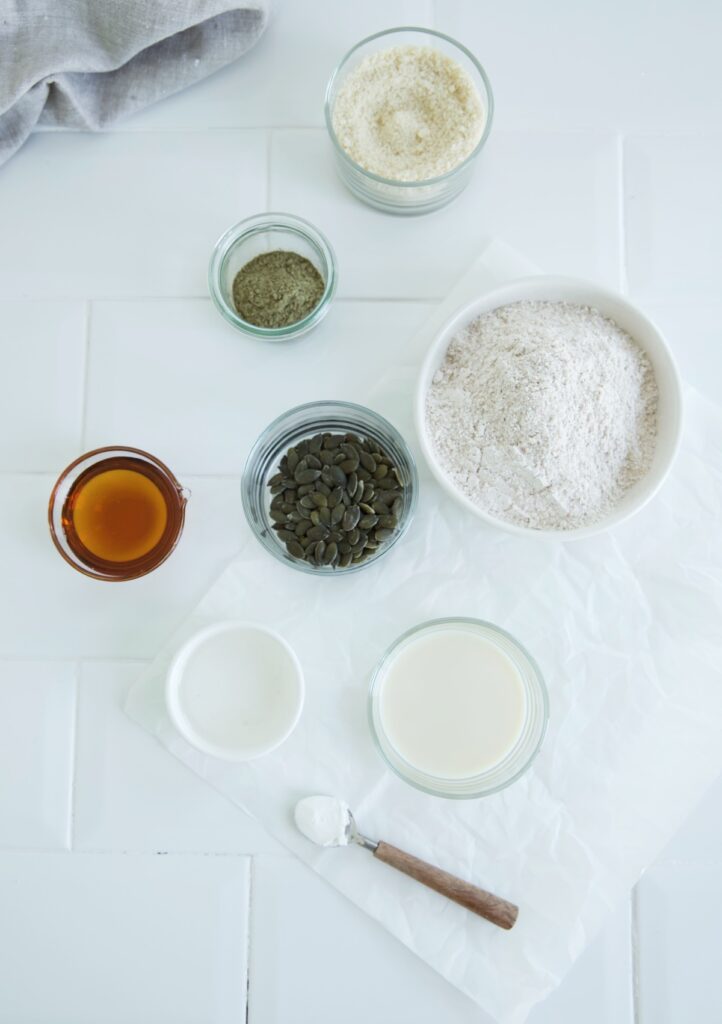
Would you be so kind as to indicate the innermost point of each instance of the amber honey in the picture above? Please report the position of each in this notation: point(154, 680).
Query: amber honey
point(122, 512)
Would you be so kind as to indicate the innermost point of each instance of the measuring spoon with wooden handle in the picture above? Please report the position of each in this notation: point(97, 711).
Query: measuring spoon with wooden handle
point(495, 909)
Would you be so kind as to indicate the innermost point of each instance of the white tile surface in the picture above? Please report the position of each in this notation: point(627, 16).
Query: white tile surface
point(694, 332)
point(41, 384)
point(37, 712)
point(679, 915)
point(123, 939)
point(131, 215)
point(130, 795)
point(123, 214)
point(553, 196)
point(673, 215)
point(282, 81)
point(204, 403)
point(50, 610)
point(305, 972)
point(621, 66)
point(701, 834)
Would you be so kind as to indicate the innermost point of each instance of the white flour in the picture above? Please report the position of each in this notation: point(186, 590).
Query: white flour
point(544, 413)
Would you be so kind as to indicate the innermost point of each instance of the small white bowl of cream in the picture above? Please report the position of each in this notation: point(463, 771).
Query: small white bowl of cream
point(458, 708)
point(235, 690)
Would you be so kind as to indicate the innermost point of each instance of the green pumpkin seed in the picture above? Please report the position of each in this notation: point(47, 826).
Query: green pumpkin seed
point(326, 457)
point(317, 532)
point(367, 461)
point(380, 472)
point(314, 445)
point(277, 501)
point(352, 483)
point(332, 441)
point(324, 514)
point(353, 536)
point(277, 515)
point(344, 547)
point(286, 536)
point(367, 521)
point(369, 492)
point(295, 549)
point(290, 496)
point(388, 522)
point(383, 534)
point(337, 514)
point(344, 560)
point(307, 501)
point(303, 527)
point(319, 500)
point(331, 553)
point(313, 462)
point(292, 459)
point(351, 518)
point(397, 507)
point(349, 465)
point(315, 517)
point(304, 489)
point(319, 551)
point(306, 476)
point(322, 488)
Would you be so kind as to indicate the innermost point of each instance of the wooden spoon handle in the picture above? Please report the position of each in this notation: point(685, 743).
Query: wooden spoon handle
point(478, 901)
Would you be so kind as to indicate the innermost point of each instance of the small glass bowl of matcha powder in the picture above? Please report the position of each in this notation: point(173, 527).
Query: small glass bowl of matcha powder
point(273, 276)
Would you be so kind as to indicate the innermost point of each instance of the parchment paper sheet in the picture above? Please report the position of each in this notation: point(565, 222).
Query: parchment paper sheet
point(626, 629)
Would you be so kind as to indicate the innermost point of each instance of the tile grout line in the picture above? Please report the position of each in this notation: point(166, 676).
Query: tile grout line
point(74, 757)
point(621, 217)
point(249, 930)
point(269, 150)
point(86, 375)
point(635, 937)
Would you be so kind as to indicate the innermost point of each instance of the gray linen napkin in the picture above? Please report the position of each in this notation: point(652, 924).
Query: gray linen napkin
point(85, 63)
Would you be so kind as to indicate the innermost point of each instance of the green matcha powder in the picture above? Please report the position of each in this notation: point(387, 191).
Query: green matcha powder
point(276, 289)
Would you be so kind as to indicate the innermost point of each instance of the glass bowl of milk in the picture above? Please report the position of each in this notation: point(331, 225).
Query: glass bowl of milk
point(458, 708)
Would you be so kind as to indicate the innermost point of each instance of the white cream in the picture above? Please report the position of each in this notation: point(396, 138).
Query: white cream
point(452, 703)
point(322, 819)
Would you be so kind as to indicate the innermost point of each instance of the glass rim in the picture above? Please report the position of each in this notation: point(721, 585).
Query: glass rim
point(436, 790)
point(81, 567)
point(357, 414)
point(399, 182)
point(256, 224)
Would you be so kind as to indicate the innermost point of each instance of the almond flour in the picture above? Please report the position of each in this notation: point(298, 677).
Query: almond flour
point(408, 113)
point(544, 414)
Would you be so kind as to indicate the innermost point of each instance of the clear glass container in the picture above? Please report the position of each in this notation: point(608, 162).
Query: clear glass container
point(388, 194)
point(517, 760)
point(293, 427)
point(268, 232)
point(174, 496)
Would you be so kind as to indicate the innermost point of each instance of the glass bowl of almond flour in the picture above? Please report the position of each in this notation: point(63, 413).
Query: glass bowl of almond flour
point(550, 407)
point(408, 111)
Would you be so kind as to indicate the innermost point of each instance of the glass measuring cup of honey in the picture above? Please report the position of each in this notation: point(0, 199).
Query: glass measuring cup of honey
point(116, 513)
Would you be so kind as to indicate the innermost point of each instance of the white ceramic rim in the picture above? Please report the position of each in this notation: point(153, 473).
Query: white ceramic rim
point(571, 289)
point(175, 674)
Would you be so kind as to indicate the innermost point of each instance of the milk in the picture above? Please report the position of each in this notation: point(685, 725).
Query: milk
point(451, 702)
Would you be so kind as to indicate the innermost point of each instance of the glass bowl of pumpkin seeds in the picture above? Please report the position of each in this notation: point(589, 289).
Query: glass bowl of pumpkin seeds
point(329, 487)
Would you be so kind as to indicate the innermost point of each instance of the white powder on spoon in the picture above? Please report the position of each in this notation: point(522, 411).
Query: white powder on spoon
point(544, 413)
point(409, 113)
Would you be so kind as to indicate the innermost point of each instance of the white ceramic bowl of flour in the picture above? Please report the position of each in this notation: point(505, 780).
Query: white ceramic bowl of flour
point(235, 690)
point(543, 288)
